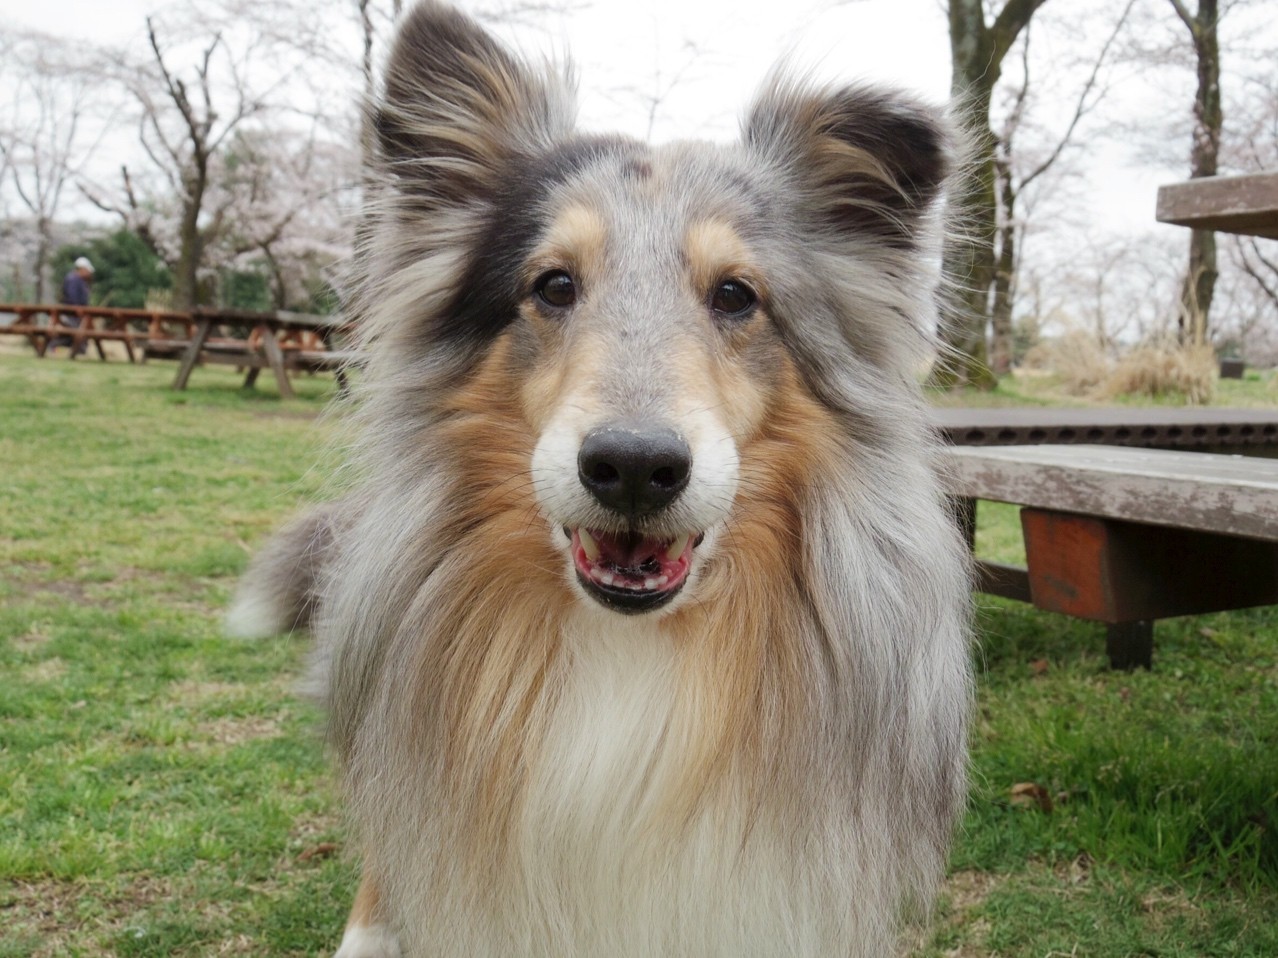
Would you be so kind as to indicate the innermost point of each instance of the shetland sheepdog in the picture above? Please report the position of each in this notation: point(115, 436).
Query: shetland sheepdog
point(644, 630)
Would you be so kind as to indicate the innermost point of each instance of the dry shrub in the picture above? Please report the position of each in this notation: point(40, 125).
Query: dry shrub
point(1164, 372)
point(1076, 357)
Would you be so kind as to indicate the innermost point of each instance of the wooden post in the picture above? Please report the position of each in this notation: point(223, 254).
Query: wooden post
point(192, 355)
point(276, 359)
point(1130, 645)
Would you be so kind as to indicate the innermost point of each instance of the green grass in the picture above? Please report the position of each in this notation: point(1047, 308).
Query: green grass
point(161, 787)
point(158, 784)
point(1157, 833)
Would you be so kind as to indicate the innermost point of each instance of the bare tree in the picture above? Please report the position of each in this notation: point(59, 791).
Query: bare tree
point(207, 75)
point(978, 46)
point(1200, 276)
point(44, 135)
point(1014, 176)
point(185, 154)
point(280, 194)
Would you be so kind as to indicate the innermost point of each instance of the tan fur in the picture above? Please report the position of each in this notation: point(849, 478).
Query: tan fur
point(575, 241)
point(493, 673)
point(366, 911)
point(715, 252)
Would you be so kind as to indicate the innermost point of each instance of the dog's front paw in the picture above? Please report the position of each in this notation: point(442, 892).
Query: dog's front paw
point(368, 941)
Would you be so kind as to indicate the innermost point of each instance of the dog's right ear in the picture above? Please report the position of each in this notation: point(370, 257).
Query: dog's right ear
point(458, 108)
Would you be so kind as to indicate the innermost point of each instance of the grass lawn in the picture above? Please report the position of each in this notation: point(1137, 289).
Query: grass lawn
point(162, 791)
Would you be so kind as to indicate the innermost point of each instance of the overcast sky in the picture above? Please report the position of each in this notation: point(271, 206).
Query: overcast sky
point(722, 47)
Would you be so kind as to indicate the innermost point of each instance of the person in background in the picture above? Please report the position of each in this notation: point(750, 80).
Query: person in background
point(75, 292)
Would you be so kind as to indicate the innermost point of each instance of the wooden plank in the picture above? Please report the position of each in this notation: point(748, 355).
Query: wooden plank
point(1116, 572)
point(1246, 204)
point(1008, 581)
point(1191, 427)
point(277, 319)
point(1234, 495)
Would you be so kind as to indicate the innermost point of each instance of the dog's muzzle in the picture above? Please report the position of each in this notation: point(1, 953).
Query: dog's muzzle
point(634, 473)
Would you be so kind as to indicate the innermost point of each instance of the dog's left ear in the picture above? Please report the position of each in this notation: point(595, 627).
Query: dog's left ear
point(865, 162)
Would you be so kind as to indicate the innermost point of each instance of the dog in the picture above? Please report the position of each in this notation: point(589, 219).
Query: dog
point(644, 629)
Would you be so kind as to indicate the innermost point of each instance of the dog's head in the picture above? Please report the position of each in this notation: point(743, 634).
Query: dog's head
point(658, 312)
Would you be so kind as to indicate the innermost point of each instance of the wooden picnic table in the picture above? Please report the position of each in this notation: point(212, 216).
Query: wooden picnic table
point(1246, 204)
point(41, 323)
point(1126, 536)
point(280, 341)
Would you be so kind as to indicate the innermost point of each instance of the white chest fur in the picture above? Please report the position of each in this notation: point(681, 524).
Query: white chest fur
point(611, 861)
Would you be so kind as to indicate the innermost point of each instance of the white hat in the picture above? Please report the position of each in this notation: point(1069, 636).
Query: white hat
point(83, 263)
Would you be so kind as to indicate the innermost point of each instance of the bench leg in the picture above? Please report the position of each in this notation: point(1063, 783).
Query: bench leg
point(1130, 645)
point(276, 358)
point(192, 354)
point(965, 514)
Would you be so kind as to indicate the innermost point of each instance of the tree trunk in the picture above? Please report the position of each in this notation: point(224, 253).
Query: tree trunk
point(190, 238)
point(977, 50)
point(1004, 272)
point(1200, 277)
point(186, 271)
point(42, 262)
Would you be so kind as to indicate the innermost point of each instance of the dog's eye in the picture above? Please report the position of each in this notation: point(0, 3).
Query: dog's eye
point(732, 298)
point(556, 289)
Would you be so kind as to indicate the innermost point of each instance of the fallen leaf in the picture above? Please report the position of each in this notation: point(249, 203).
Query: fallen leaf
point(322, 850)
point(1039, 666)
point(1031, 793)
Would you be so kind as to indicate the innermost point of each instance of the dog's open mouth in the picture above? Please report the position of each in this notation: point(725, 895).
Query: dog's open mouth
point(629, 572)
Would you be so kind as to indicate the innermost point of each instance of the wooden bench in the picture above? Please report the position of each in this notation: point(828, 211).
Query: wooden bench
point(42, 323)
point(279, 341)
point(1126, 536)
point(1246, 204)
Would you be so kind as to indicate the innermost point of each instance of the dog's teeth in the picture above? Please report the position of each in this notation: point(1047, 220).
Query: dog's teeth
point(662, 581)
point(650, 584)
point(677, 547)
point(588, 544)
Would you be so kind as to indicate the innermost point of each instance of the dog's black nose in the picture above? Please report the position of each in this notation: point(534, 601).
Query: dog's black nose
point(636, 472)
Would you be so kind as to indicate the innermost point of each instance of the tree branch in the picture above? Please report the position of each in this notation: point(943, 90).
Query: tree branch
point(1185, 16)
point(1011, 20)
point(1082, 107)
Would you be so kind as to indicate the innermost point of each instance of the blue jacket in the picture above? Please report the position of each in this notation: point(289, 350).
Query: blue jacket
point(75, 291)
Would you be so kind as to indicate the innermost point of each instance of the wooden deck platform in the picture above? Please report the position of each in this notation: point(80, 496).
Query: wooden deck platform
point(1186, 427)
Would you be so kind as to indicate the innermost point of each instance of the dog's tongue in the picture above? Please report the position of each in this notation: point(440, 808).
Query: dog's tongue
point(628, 550)
point(628, 560)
